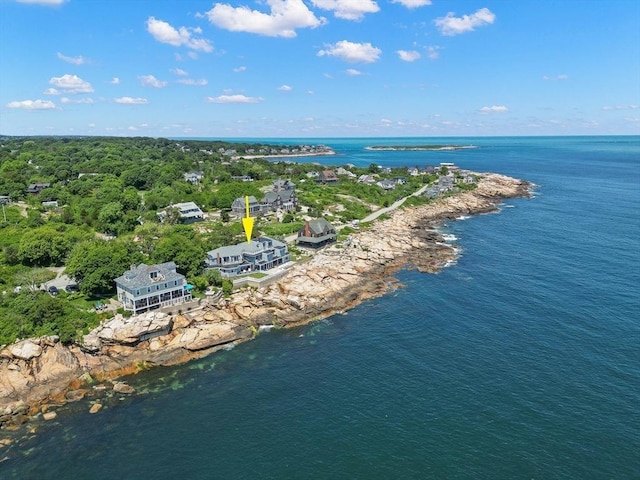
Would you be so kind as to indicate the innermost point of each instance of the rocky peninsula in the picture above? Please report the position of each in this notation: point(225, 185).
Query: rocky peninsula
point(38, 374)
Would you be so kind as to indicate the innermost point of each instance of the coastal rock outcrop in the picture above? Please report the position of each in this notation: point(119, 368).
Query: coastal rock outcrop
point(334, 279)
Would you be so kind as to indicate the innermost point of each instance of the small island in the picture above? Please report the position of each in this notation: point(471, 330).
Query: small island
point(418, 147)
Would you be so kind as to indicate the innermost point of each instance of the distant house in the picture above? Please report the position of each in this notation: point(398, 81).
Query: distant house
point(451, 167)
point(344, 171)
point(261, 255)
point(242, 178)
point(468, 178)
point(387, 184)
point(279, 185)
point(50, 204)
point(283, 200)
point(189, 212)
point(366, 179)
point(239, 206)
point(36, 188)
point(328, 177)
point(5, 199)
point(146, 287)
point(316, 233)
point(193, 177)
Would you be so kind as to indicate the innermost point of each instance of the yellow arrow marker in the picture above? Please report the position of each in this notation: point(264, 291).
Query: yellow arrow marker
point(247, 222)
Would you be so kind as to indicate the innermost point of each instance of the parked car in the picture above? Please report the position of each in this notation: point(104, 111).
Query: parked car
point(53, 290)
point(72, 287)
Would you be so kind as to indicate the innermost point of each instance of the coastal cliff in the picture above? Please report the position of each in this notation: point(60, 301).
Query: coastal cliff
point(36, 374)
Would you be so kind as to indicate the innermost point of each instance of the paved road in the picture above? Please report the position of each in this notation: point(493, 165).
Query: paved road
point(393, 206)
point(372, 216)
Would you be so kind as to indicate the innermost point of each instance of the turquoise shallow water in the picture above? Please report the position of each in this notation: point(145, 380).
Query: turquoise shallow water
point(522, 360)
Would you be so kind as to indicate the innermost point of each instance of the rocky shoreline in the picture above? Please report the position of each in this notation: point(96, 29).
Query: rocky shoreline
point(37, 375)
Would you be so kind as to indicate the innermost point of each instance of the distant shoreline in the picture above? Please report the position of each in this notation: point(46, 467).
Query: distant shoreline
point(419, 147)
point(285, 155)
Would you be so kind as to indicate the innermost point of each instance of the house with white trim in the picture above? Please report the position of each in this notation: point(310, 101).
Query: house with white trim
point(259, 255)
point(147, 287)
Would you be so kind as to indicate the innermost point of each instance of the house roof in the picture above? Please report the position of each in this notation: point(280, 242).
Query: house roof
point(241, 202)
point(139, 276)
point(253, 247)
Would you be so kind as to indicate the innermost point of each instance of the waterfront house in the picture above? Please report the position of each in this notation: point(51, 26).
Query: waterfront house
point(260, 255)
point(188, 212)
point(316, 233)
point(146, 287)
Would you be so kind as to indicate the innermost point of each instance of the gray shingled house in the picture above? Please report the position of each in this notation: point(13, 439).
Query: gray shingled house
point(260, 255)
point(145, 287)
point(316, 233)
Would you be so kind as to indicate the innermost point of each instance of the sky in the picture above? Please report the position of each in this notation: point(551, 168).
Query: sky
point(319, 68)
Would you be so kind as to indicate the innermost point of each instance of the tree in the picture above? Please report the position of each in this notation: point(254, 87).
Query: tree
point(110, 217)
point(96, 263)
point(185, 250)
point(214, 277)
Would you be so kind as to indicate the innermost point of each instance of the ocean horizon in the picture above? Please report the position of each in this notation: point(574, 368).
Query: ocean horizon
point(520, 360)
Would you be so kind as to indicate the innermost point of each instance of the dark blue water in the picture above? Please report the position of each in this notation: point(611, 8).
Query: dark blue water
point(522, 360)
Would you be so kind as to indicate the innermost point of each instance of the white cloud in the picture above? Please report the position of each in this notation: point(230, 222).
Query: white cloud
point(51, 91)
point(450, 25)
point(190, 81)
point(408, 55)
point(433, 52)
point(620, 107)
point(348, 9)
point(352, 52)
point(353, 72)
point(556, 77)
point(132, 101)
point(73, 60)
point(234, 99)
point(284, 18)
point(32, 104)
point(165, 33)
point(115, 81)
point(151, 81)
point(46, 3)
point(179, 72)
point(87, 101)
point(285, 88)
point(412, 3)
point(240, 69)
point(494, 109)
point(71, 84)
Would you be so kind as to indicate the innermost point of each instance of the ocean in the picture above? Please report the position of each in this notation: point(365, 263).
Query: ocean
point(521, 360)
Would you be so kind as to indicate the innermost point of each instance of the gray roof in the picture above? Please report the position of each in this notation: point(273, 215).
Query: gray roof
point(256, 246)
point(240, 202)
point(139, 276)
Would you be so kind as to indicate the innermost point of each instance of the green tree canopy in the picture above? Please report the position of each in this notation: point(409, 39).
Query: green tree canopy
point(96, 263)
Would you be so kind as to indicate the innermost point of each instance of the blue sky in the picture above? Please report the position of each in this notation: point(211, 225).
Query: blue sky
point(319, 68)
